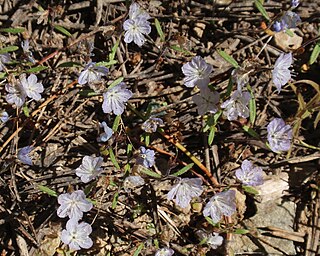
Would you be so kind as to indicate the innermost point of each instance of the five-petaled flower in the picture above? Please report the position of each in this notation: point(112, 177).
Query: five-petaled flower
point(16, 94)
point(237, 105)
point(197, 72)
point(249, 174)
point(31, 86)
point(279, 135)
point(164, 252)
point(90, 168)
point(114, 99)
point(73, 205)
point(146, 157)
point(281, 73)
point(76, 235)
point(151, 124)
point(214, 240)
point(137, 26)
point(206, 101)
point(92, 73)
point(106, 135)
point(223, 203)
point(186, 189)
point(23, 155)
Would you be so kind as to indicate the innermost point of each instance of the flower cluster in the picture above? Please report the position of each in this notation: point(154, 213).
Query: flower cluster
point(137, 26)
point(25, 87)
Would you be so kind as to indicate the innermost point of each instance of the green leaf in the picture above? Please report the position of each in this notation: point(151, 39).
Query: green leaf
point(147, 139)
point(250, 190)
point(150, 173)
point(116, 82)
point(9, 49)
point(252, 108)
point(26, 111)
point(129, 149)
point(229, 88)
point(139, 249)
point(2, 75)
point(315, 53)
point(211, 135)
point(112, 54)
point(183, 170)
point(116, 123)
point(107, 63)
point(69, 64)
point(261, 9)
point(115, 200)
point(62, 30)
point(228, 58)
point(251, 131)
point(240, 231)
point(47, 190)
point(159, 29)
point(179, 49)
point(12, 30)
point(211, 222)
point(289, 33)
point(36, 69)
point(113, 159)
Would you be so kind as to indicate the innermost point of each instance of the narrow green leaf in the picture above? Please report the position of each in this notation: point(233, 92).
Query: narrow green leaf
point(289, 33)
point(116, 82)
point(2, 75)
point(26, 111)
point(139, 249)
point(210, 221)
point(116, 123)
point(62, 30)
point(112, 54)
point(183, 170)
point(240, 231)
point(315, 53)
point(113, 159)
point(47, 190)
point(12, 30)
point(107, 63)
point(150, 173)
point(261, 9)
point(250, 190)
point(69, 64)
point(147, 139)
point(159, 29)
point(9, 49)
point(251, 131)
point(127, 168)
point(211, 135)
point(179, 49)
point(252, 108)
point(228, 58)
point(115, 200)
point(36, 69)
point(129, 149)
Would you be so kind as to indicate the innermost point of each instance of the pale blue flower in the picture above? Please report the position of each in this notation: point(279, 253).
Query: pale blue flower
point(32, 88)
point(114, 99)
point(146, 157)
point(16, 94)
point(164, 252)
point(23, 155)
point(90, 168)
point(295, 3)
point(186, 189)
point(92, 73)
point(26, 50)
point(279, 135)
point(214, 240)
point(197, 72)
point(206, 101)
point(135, 11)
point(76, 235)
point(135, 30)
point(223, 203)
point(281, 73)
point(249, 174)
point(107, 134)
point(73, 205)
point(151, 124)
point(287, 21)
point(4, 58)
point(4, 116)
point(237, 105)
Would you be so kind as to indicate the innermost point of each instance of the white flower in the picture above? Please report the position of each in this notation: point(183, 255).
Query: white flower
point(185, 190)
point(214, 240)
point(92, 73)
point(73, 205)
point(106, 135)
point(197, 72)
point(31, 87)
point(279, 135)
point(164, 252)
point(249, 174)
point(115, 98)
point(135, 11)
point(281, 73)
point(76, 235)
point(135, 30)
point(16, 94)
point(237, 105)
point(90, 168)
point(207, 101)
point(221, 204)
